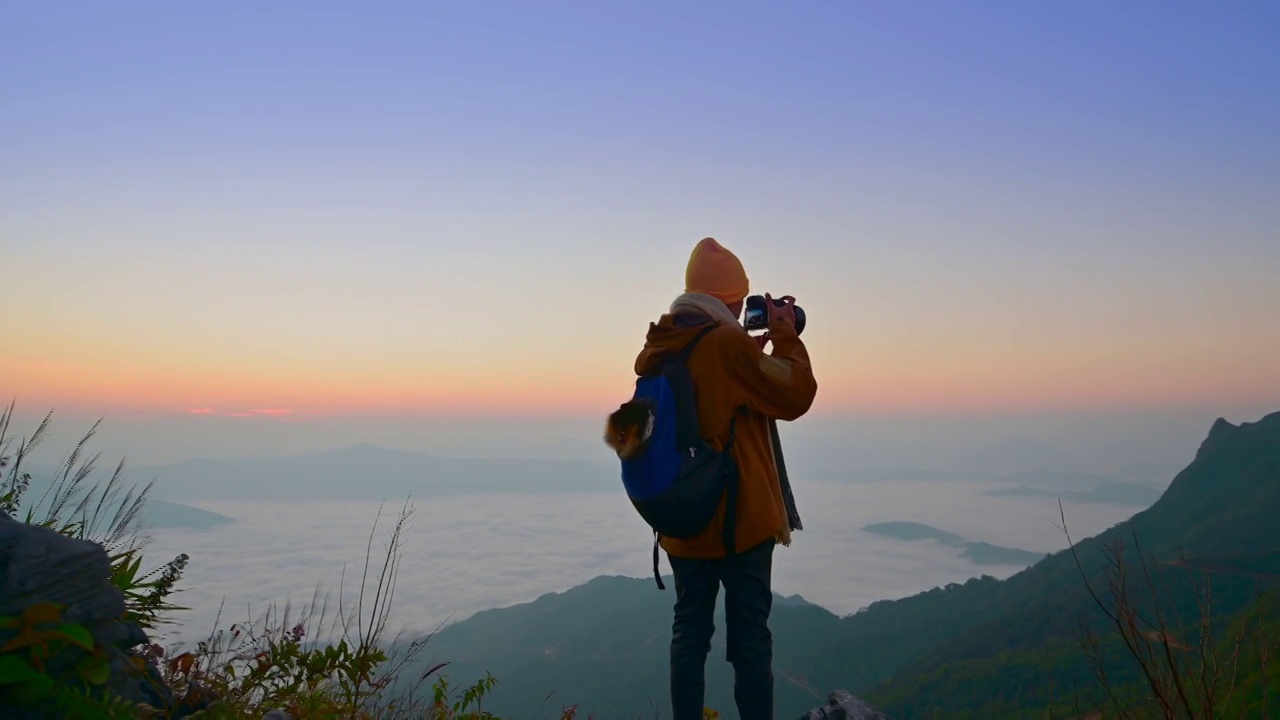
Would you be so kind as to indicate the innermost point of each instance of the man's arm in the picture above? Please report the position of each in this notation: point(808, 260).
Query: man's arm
point(780, 384)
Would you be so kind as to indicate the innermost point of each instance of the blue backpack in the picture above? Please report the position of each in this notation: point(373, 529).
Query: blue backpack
point(677, 480)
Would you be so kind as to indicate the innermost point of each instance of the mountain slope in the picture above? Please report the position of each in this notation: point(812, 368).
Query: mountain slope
point(603, 645)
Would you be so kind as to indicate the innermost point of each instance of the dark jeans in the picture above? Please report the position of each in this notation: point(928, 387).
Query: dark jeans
point(748, 598)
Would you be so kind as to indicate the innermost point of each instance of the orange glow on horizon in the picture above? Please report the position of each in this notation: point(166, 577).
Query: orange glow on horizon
point(248, 396)
point(894, 379)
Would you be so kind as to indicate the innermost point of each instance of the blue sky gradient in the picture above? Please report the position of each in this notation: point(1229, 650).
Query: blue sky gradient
point(352, 206)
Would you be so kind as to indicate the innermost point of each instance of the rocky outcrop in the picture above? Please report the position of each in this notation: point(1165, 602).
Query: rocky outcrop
point(39, 565)
point(841, 705)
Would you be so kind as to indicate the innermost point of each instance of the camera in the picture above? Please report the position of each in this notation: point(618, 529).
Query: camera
point(756, 316)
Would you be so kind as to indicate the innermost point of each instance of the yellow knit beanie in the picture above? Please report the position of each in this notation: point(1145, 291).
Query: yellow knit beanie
point(715, 271)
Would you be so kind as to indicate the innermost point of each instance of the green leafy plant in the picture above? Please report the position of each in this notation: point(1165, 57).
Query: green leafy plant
point(26, 659)
point(146, 602)
point(460, 709)
point(40, 634)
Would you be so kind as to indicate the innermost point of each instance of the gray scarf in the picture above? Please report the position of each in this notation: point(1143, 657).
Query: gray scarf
point(707, 305)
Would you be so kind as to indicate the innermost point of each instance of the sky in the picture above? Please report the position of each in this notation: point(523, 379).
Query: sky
point(284, 214)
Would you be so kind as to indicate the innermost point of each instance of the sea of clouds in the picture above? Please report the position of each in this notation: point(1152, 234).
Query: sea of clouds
point(466, 554)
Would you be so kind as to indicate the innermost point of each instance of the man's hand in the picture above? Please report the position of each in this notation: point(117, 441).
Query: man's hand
point(761, 340)
point(781, 319)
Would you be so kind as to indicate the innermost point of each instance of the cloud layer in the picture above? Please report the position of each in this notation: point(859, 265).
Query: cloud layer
point(465, 554)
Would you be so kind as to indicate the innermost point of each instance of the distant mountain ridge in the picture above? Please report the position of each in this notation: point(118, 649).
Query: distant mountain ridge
point(979, 553)
point(371, 472)
point(1125, 493)
point(156, 514)
point(162, 514)
point(1047, 478)
point(1013, 642)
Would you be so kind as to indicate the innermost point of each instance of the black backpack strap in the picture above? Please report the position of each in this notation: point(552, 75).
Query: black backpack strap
point(657, 575)
point(687, 350)
point(682, 355)
point(688, 433)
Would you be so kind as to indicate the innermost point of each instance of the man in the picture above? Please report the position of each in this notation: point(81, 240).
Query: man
point(732, 375)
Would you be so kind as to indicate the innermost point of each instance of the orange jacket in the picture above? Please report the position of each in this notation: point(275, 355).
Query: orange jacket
point(730, 371)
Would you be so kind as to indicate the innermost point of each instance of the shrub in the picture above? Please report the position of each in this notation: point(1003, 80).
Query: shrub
point(1205, 666)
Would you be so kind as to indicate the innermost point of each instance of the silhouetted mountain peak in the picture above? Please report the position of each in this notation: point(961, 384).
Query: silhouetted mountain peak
point(1223, 432)
point(1218, 434)
point(1229, 493)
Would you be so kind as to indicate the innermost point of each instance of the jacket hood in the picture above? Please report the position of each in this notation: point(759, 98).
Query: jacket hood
point(667, 337)
point(689, 313)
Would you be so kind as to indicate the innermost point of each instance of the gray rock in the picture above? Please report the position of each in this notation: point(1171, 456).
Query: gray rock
point(40, 565)
point(842, 705)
